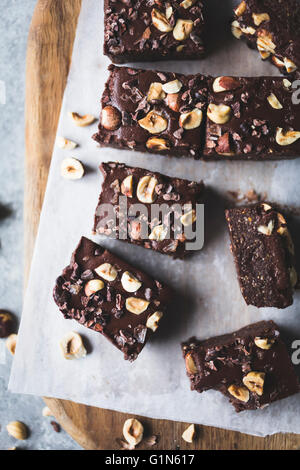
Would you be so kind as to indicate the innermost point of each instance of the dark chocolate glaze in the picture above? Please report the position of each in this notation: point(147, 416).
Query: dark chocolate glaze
point(105, 311)
point(250, 133)
point(169, 191)
point(130, 35)
point(224, 360)
point(283, 28)
point(126, 90)
point(264, 262)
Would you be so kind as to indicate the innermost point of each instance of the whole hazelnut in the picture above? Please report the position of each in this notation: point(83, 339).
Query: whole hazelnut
point(110, 118)
point(6, 324)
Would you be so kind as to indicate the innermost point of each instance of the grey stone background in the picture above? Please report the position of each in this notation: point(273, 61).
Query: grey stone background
point(14, 23)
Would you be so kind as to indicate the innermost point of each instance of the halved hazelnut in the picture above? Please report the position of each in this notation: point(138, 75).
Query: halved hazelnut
point(172, 87)
point(173, 101)
point(236, 30)
point(18, 430)
point(219, 113)
point(11, 343)
point(189, 434)
point(160, 21)
point(266, 229)
point(82, 121)
point(225, 84)
point(182, 29)
point(156, 92)
point(110, 118)
point(190, 364)
point(107, 272)
point(254, 381)
point(248, 30)
point(71, 169)
point(136, 305)
point(129, 282)
point(265, 42)
point(153, 320)
point(191, 119)
point(239, 392)
point(240, 9)
point(93, 286)
point(64, 143)
point(289, 65)
point(266, 207)
point(158, 233)
point(146, 189)
point(293, 276)
point(286, 83)
point(187, 3)
point(127, 186)
point(264, 343)
point(157, 143)
point(133, 431)
point(189, 218)
point(258, 18)
point(287, 137)
point(72, 346)
point(274, 102)
point(153, 123)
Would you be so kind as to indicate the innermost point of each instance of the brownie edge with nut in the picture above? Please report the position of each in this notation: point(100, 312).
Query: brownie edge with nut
point(148, 30)
point(164, 230)
point(251, 366)
point(108, 295)
point(263, 252)
point(152, 111)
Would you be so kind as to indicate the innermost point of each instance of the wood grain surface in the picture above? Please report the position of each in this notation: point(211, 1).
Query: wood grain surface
point(50, 45)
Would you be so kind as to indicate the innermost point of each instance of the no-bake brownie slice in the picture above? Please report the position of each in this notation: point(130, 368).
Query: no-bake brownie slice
point(143, 30)
point(264, 255)
point(150, 111)
point(251, 366)
point(252, 118)
point(108, 295)
point(272, 27)
point(163, 230)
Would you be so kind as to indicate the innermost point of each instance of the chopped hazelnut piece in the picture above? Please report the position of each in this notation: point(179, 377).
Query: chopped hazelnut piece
point(265, 42)
point(146, 189)
point(133, 431)
point(11, 343)
point(241, 393)
point(191, 119)
point(259, 18)
point(107, 272)
point(93, 286)
point(264, 343)
point(254, 381)
point(156, 92)
point(72, 346)
point(274, 102)
point(172, 87)
point(189, 434)
point(64, 143)
point(154, 320)
point(182, 29)
point(127, 186)
point(160, 21)
point(129, 282)
point(71, 169)
point(190, 364)
point(157, 143)
point(236, 30)
point(286, 138)
point(219, 113)
point(266, 229)
point(189, 218)
point(82, 121)
point(158, 233)
point(153, 123)
point(136, 305)
point(240, 9)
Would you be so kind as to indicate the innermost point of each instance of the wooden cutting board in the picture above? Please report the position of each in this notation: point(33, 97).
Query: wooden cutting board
point(50, 45)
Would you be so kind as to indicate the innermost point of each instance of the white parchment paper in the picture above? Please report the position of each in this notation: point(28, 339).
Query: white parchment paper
point(155, 385)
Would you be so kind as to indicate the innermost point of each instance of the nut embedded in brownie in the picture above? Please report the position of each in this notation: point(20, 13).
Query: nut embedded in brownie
point(263, 252)
point(143, 30)
point(251, 366)
point(252, 118)
point(151, 111)
point(169, 229)
point(272, 27)
point(108, 295)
